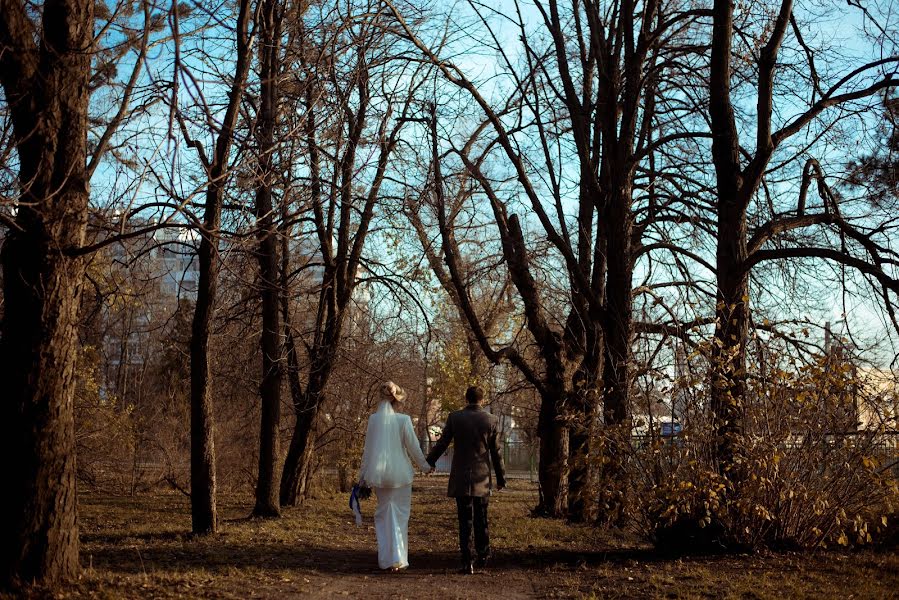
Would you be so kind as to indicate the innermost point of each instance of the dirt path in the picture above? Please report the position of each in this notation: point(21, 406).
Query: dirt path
point(345, 564)
point(138, 548)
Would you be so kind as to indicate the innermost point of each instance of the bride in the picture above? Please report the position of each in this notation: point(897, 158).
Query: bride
point(389, 441)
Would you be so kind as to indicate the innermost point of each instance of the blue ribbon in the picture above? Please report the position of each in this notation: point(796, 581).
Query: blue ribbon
point(354, 504)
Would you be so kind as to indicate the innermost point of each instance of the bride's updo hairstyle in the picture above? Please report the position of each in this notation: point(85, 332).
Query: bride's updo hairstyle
point(393, 392)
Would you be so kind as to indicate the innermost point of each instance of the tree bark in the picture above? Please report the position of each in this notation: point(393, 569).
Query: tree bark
point(297, 461)
point(584, 330)
point(583, 407)
point(46, 89)
point(267, 503)
point(552, 470)
point(729, 344)
point(618, 334)
point(731, 330)
point(202, 430)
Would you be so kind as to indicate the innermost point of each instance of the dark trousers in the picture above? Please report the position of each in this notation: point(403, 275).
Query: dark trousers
point(473, 514)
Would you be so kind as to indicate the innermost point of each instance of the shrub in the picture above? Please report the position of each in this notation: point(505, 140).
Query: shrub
point(806, 474)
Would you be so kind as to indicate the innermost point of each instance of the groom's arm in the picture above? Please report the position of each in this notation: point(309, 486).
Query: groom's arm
point(442, 444)
point(497, 458)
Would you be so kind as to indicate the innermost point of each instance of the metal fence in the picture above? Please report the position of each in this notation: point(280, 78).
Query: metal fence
point(520, 459)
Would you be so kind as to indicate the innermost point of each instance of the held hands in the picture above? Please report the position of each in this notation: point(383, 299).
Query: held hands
point(364, 490)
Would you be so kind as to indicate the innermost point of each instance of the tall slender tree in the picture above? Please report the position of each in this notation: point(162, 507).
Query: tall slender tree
point(371, 104)
point(217, 168)
point(267, 500)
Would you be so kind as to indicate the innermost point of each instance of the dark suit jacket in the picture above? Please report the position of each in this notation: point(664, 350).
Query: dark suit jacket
point(474, 431)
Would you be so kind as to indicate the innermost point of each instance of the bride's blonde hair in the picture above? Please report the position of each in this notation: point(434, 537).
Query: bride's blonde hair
point(392, 392)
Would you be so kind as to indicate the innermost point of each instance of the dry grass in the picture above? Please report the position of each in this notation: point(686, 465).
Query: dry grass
point(139, 548)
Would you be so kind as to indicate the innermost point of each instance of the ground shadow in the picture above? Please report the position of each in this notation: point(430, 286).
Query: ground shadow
point(167, 552)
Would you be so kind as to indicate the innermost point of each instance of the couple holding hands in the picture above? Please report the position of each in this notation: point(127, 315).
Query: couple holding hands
point(390, 440)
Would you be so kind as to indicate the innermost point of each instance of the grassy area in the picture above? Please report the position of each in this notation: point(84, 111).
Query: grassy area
point(139, 548)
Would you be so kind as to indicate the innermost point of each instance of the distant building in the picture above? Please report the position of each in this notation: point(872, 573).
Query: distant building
point(878, 400)
point(166, 257)
point(145, 277)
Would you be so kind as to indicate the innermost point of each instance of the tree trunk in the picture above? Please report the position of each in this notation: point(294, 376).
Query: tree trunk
point(583, 406)
point(729, 344)
point(290, 349)
point(267, 504)
point(298, 455)
point(39, 534)
point(46, 89)
point(584, 329)
point(617, 354)
point(552, 471)
point(202, 435)
point(731, 330)
point(579, 450)
point(202, 431)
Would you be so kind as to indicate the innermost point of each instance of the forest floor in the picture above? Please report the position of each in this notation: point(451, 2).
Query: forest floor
point(138, 547)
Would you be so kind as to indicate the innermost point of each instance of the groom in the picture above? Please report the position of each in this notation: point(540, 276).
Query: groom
point(470, 482)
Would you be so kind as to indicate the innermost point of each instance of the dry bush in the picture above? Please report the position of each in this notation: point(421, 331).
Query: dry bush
point(104, 429)
point(807, 475)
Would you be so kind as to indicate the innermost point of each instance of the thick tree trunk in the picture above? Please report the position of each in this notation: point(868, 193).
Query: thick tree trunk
point(584, 329)
point(731, 330)
point(552, 470)
point(583, 407)
point(46, 90)
point(729, 344)
point(579, 449)
point(39, 534)
point(267, 504)
point(202, 431)
point(617, 355)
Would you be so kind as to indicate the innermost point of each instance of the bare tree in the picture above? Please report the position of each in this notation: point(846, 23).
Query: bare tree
point(270, 16)
point(587, 92)
point(343, 205)
point(217, 170)
point(741, 172)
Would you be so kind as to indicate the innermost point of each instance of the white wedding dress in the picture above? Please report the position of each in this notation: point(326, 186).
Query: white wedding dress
point(389, 442)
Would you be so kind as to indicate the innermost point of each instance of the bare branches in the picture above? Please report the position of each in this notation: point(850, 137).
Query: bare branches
point(125, 101)
point(832, 99)
point(872, 270)
point(767, 62)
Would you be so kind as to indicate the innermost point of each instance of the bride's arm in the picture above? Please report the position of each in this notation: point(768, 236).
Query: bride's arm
point(365, 453)
point(410, 441)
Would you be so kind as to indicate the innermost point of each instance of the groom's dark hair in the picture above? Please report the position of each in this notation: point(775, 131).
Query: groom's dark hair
point(474, 395)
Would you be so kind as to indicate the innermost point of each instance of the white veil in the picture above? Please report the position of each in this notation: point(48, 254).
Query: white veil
point(384, 460)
